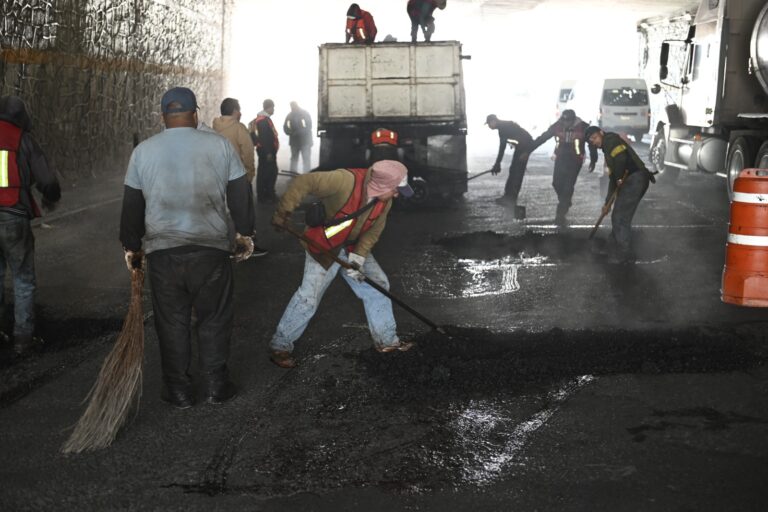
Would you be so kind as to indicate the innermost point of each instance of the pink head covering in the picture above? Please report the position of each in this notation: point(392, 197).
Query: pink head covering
point(387, 176)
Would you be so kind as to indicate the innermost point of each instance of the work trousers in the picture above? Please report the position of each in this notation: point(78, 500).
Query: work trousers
point(266, 176)
point(428, 28)
point(567, 167)
point(305, 152)
point(631, 192)
point(201, 279)
point(516, 174)
point(17, 251)
point(304, 303)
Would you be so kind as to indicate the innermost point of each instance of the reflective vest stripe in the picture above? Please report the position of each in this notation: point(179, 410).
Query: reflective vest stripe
point(4, 169)
point(744, 197)
point(618, 150)
point(577, 147)
point(338, 228)
point(757, 241)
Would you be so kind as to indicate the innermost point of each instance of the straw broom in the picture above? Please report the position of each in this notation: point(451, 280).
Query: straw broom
point(118, 385)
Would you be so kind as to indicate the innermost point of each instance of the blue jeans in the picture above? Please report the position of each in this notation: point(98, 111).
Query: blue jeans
point(17, 250)
point(304, 303)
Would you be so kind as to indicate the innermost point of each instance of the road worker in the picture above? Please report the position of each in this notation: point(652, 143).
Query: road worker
point(420, 12)
point(361, 29)
point(512, 134)
point(355, 203)
point(629, 179)
point(569, 134)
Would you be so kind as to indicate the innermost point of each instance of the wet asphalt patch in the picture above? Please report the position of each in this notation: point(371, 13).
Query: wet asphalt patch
point(488, 245)
point(448, 413)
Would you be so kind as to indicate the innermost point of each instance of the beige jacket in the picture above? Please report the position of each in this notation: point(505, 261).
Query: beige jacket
point(333, 188)
point(238, 135)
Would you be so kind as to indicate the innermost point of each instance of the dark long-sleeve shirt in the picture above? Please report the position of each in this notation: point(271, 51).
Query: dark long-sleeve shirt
point(571, 146)
point(511, 133)
point(620, 158)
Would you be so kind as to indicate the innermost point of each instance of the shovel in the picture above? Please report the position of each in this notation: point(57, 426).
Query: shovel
point(371, 282)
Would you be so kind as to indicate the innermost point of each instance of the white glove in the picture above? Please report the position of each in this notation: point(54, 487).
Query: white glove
point(357, 261)
point(243, 247)
point(134, 260)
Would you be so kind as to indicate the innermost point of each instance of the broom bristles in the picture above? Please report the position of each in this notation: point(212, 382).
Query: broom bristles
point(118, 385)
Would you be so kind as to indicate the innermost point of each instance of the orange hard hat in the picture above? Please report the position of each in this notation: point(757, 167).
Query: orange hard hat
point(384, 136)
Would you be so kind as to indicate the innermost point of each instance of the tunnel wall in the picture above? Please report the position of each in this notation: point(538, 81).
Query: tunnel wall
point(92, 72)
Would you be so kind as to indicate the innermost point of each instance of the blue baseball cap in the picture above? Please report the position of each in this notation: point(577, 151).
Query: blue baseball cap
point(181, 95)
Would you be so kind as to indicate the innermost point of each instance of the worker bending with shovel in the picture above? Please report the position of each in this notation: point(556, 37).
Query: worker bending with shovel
point(344, 225)
point(629, 179)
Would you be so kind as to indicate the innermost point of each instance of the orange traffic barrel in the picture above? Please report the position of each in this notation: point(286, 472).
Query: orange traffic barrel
point(745, 276)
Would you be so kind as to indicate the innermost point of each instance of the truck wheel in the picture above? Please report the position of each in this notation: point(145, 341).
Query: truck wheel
point(658, 154)
point(761, 160)
point(741, 154)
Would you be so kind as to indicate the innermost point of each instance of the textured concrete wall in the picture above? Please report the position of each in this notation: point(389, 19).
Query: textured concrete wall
point(93, 71)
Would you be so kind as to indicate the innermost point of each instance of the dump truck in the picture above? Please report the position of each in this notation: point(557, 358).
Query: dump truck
point(416, 90)
point(715, 85)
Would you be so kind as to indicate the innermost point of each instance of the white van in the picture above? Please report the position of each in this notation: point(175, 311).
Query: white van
point(624, 107)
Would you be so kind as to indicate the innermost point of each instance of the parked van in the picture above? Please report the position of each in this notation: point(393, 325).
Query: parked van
point(624, 107)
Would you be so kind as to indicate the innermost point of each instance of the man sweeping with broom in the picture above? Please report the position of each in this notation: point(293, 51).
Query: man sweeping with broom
point(178, 188)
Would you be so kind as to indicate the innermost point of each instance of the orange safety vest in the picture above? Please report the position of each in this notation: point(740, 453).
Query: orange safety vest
point(335, 236)
point(256, 122)
point(10, 179)
point(363, 28)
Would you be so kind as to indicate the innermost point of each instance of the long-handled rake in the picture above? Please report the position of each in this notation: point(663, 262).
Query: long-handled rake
point(118, 385)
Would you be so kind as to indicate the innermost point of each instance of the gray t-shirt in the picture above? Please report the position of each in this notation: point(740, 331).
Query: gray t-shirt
point(183, 174)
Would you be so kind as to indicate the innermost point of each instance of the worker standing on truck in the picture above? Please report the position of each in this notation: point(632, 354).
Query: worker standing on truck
point(355, 204)
point(513, 134)
point(569, 134)
point(629, 179)
point(420, 12)
point(265, 139)
point(361, 29)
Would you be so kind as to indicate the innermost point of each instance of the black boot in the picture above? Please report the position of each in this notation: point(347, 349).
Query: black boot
point(221, 390)
point(178, 396)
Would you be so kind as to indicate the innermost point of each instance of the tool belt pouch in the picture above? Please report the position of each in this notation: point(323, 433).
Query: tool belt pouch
point(315, 214)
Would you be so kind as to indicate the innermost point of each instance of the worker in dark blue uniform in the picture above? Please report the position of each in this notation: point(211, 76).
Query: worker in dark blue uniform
point(512, 134)
point(629, 180)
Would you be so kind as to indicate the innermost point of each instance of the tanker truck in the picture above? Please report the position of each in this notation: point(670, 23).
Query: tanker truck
point(715, 82)
point(416, 90)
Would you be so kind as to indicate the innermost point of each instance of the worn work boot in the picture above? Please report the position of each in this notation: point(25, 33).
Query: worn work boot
point(180, 398)
point(401, 346)
point(221, 391)
point(282, 358)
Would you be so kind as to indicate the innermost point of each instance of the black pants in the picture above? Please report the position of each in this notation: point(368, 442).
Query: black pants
point(180, 281)
point(567, 167)
point(631, 192)
point(516, 174)
point(266, 176)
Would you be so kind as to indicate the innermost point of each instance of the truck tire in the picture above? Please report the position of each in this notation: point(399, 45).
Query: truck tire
point(741, 154)
point(658, 152)
point(761, 160)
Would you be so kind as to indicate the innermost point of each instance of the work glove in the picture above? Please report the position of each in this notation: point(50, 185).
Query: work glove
point(134, 260)
point(356, 261)
point(243, 247)
point(280, 219)
point(592, 166)
point(496, 169)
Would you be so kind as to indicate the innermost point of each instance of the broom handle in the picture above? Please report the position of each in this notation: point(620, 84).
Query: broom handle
point(368, 280)
point(610, 203)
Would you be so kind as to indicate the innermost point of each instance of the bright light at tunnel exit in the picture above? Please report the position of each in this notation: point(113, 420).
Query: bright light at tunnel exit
point(518, 59)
